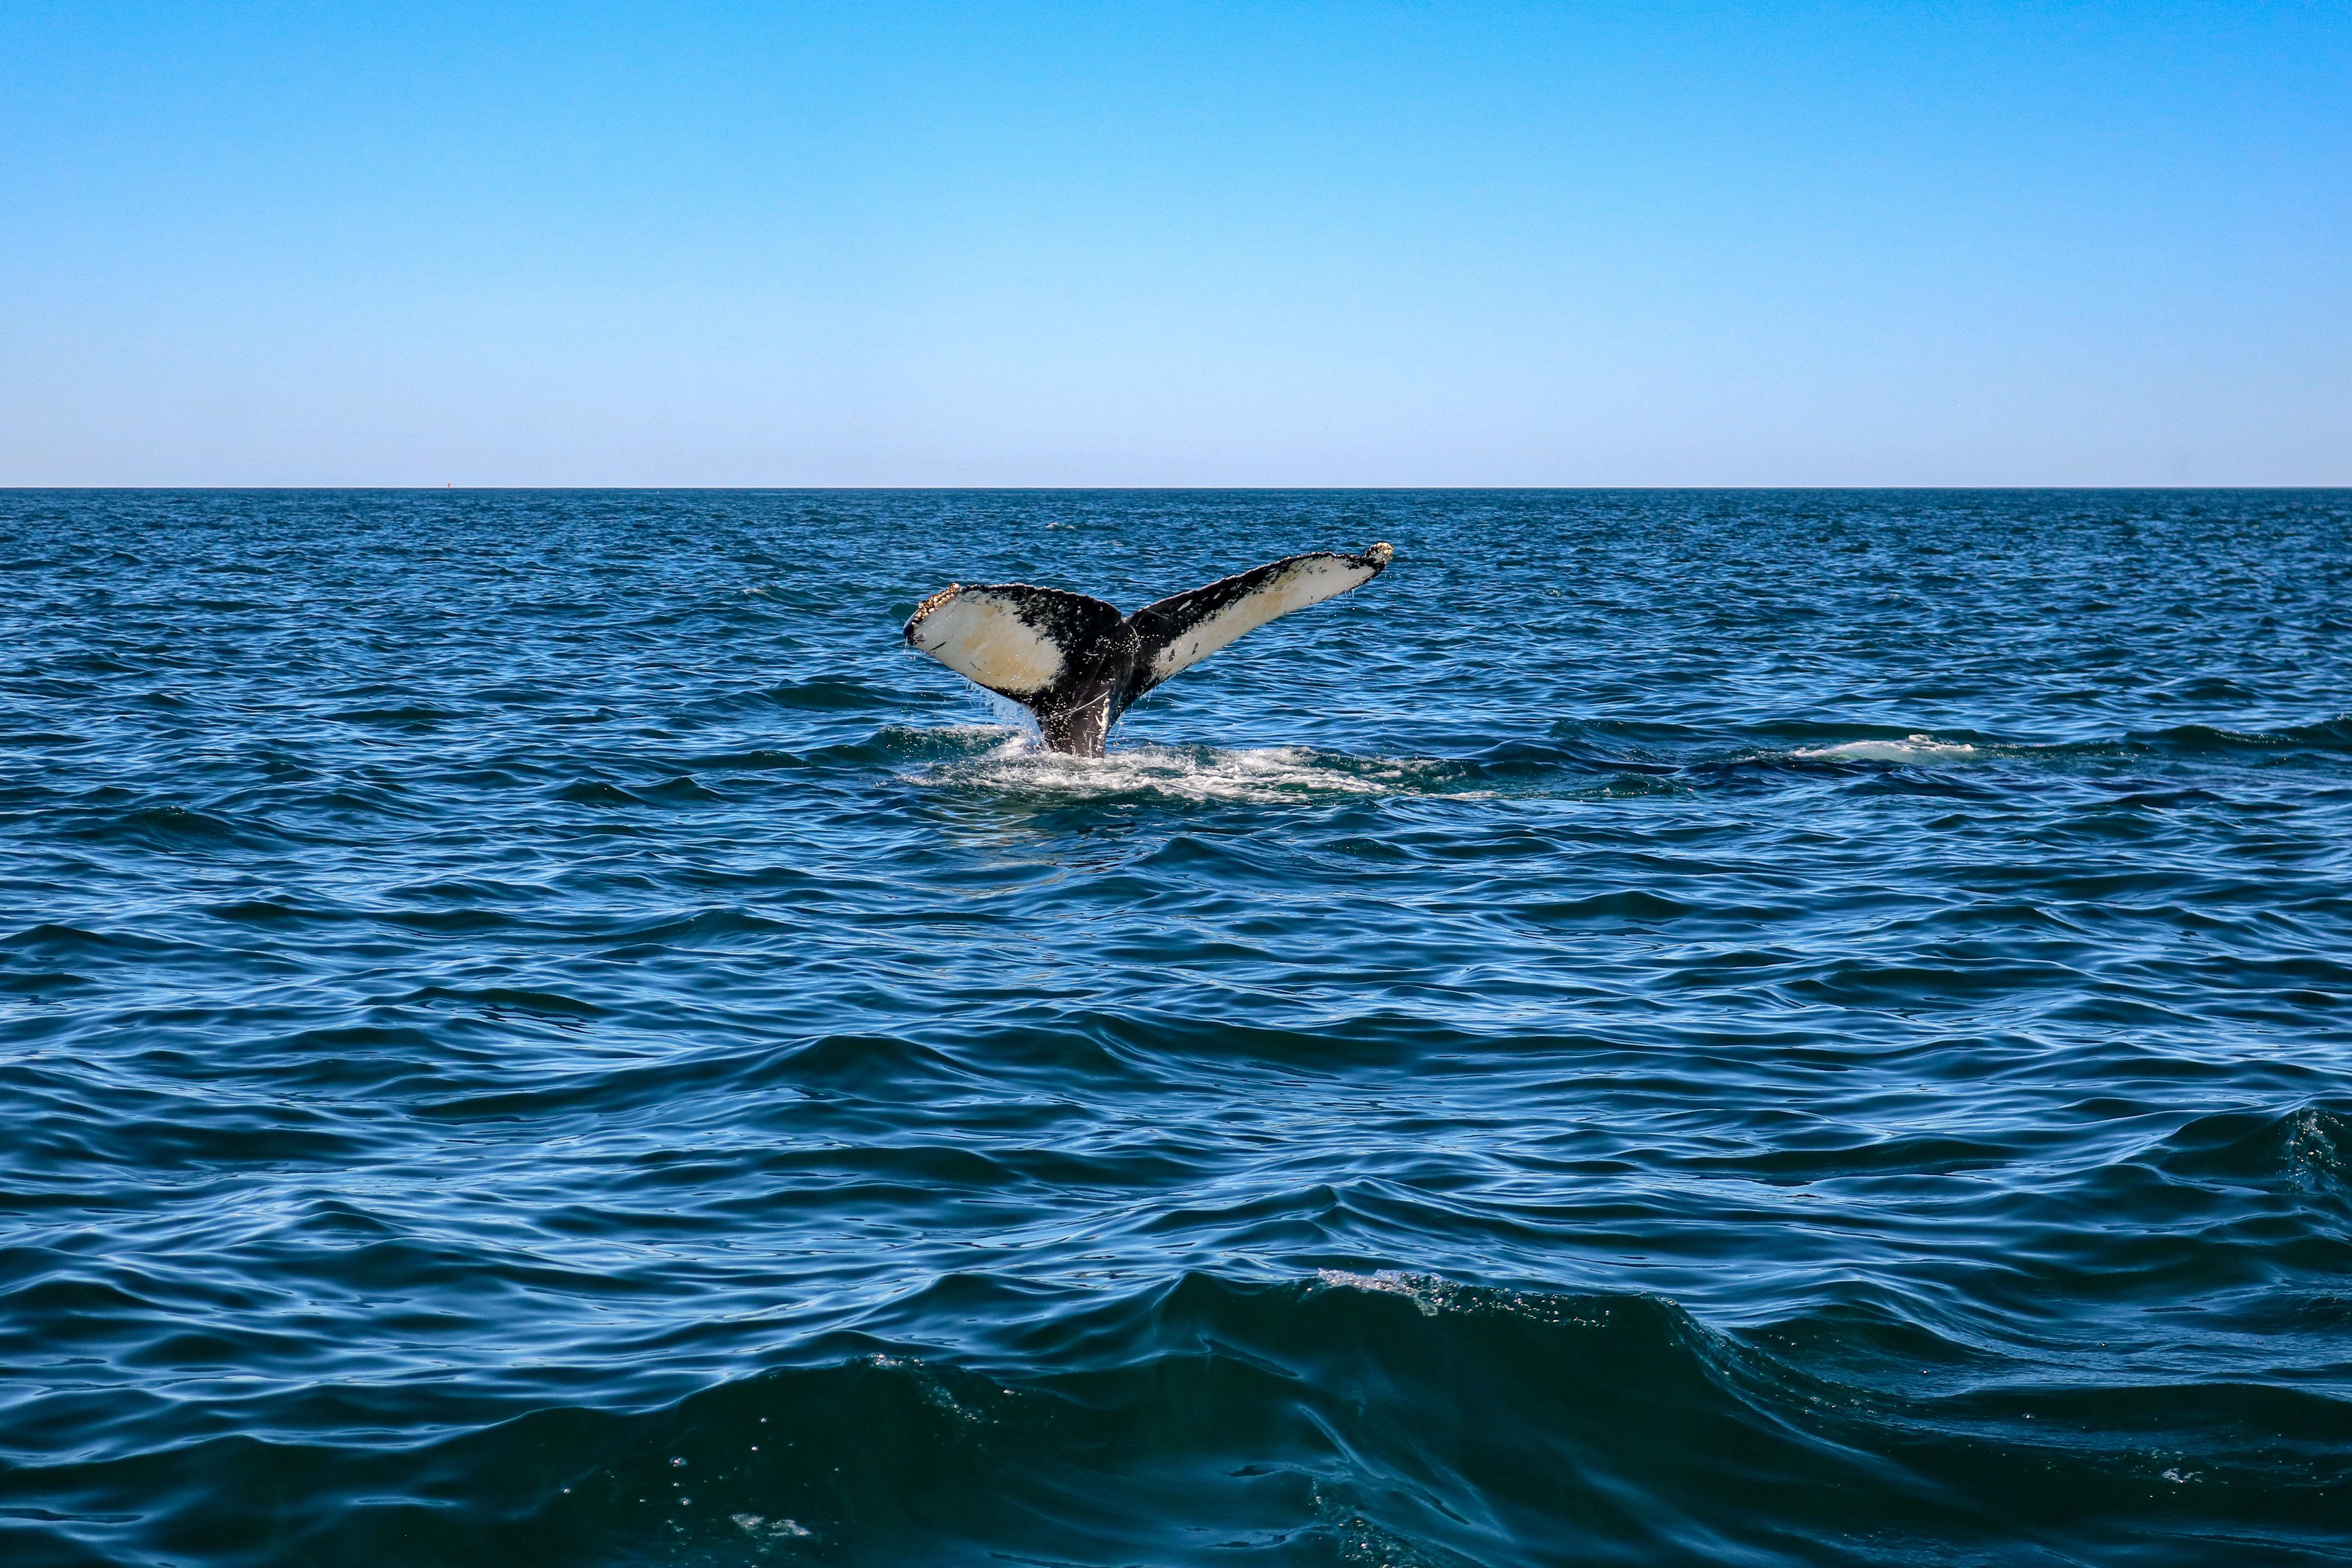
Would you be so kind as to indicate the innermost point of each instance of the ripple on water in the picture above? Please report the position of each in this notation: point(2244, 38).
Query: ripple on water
point(1821, 1039)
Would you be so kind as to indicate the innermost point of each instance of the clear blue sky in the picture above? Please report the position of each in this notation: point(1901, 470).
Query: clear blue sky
point(1411, 244)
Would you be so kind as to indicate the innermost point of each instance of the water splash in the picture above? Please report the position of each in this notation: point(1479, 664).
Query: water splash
point(1910, 748)
point(1265, 775)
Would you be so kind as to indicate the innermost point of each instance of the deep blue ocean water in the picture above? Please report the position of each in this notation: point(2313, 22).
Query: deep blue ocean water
point(1727, 1027)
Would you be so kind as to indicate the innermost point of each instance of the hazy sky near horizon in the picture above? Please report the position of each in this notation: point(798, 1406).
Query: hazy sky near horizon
point(1270, 244)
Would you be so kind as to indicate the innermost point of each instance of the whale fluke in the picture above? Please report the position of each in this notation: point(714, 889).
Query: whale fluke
point(1077, 664)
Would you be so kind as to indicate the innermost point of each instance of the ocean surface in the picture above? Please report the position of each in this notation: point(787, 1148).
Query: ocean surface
point(1704, 1028)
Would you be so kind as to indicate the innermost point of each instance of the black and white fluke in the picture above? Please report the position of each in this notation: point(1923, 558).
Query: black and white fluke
point(1077, 664)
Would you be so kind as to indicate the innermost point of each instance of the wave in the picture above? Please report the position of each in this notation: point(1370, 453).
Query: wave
point(2309, 1147)
point(181, 830)
point(2204, 739)
point(1355, 1417)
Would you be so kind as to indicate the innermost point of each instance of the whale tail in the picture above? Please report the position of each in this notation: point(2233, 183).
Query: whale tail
point(1077, 664)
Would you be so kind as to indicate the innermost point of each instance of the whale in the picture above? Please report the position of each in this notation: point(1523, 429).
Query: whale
point(1077, 664)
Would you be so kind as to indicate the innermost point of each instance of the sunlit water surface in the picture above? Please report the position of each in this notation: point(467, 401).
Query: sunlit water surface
point(1710, 1027)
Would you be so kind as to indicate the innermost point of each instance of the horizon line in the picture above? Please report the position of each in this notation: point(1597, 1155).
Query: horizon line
point(448, 488)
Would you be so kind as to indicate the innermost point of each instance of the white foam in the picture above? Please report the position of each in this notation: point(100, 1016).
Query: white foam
point(1425, 1291)
point(1193, 773)
point(1914, 749)
point(758, 1524)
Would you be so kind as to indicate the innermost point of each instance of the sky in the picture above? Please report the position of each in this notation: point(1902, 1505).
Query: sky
point(1365, 244)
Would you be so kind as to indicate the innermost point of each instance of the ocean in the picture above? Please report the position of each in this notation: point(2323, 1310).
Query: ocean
point(1754, 1027)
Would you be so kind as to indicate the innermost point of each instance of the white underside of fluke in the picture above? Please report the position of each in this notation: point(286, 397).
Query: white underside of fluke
point(1311, 581)
point(981, 636)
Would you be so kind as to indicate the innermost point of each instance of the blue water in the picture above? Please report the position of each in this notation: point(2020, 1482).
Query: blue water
point(1770, 1027)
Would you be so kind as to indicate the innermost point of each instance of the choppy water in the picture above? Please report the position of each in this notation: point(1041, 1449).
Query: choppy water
point(1711, 1027)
